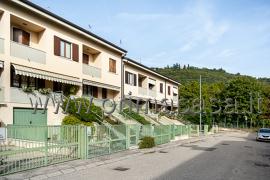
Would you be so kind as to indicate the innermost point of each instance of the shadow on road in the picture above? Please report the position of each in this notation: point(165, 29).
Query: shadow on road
point(240, 158)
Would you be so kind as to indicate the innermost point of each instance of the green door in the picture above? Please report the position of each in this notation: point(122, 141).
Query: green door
point(27, 117)
point(29, 126)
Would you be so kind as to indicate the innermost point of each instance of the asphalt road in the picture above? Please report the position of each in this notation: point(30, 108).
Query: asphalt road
point(229, 156)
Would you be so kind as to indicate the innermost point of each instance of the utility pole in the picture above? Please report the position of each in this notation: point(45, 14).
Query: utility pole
point(200, 103)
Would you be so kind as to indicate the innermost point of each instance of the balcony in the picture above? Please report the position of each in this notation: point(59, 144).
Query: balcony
point(142, 91)
point(28, 53)
point(2, 43)
point(152, 93)
point(91, 71)
point(2, 95)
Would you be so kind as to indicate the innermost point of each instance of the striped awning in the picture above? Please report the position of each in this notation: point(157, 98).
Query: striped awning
point(102, 85)
point(152, 81)
point(41, 74)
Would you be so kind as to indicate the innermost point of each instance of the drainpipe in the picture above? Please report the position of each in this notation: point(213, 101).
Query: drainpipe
point(122, 76)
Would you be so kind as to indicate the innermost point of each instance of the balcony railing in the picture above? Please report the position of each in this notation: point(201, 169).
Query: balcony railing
point(142, 91)
point(25, 52)
point(2, 43)
point(91, 71)
point(175, 98)
point(2, 95)
point(152, 93)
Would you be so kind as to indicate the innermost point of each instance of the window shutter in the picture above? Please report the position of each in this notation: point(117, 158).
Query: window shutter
point(135, 80)
point(169, 90)
point(75, 52)
point(161, 88)
point(126, 77)
point(56, 46)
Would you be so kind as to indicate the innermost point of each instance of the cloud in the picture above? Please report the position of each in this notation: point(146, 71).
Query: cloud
point(226, 53)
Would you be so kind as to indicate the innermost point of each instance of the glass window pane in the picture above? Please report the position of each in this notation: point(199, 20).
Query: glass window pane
point(68, 50)
point(62, 48)
point(15, 80)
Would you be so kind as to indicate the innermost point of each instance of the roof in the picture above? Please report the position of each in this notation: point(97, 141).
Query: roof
point(151, 70)
point(71, 24)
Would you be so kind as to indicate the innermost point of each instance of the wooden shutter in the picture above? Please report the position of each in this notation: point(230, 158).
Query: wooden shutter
point(56, 46)
point(25, 38)
point(126, 77)
point(112, 65)
point(75, 52)
point(135, 79)
point(169, 90)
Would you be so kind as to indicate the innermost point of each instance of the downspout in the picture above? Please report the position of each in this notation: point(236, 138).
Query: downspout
point(122, 76)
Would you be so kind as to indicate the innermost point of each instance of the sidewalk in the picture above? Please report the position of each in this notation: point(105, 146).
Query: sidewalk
point(77, 165)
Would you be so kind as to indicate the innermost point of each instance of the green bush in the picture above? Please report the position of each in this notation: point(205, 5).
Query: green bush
point(72, 120)
point(96, 112)
point(147, 142)
point(136, 116)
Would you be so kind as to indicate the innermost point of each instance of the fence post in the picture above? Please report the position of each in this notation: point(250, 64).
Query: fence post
point(82, 142)
point(189, 130)
point(198, 130)
point(205, 129)
point(127, 136)
point(46, 143)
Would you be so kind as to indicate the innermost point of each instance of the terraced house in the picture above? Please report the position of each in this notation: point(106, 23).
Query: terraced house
point(143, 83)
point(40, 50)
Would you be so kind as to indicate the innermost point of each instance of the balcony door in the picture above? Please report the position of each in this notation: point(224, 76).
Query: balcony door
point(21, 36)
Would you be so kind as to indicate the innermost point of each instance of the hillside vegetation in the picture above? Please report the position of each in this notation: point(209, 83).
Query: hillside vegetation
point(217, 83)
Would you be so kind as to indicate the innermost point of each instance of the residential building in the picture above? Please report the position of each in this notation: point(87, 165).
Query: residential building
point(40, 50)
point(141, 82)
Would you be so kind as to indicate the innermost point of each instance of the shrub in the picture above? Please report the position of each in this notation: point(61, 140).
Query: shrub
point(95, 113)
point(147, 142)
point(73, 120)
point(136, 116)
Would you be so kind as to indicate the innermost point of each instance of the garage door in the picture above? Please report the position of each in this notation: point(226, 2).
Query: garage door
point(27, 117)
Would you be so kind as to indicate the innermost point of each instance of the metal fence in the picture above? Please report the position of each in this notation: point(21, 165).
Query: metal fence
point(28, 147)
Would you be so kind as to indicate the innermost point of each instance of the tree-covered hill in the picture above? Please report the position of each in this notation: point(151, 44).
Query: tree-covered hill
point(188, 73)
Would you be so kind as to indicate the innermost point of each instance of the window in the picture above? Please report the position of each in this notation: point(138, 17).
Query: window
point(161, 87)
point(90, 90)
point(21, 36)
point(85, 59)
point(24, 81)
point(130, 78)
point(104, 93)
point(57, 86)
point(169, 90)
point(112, 66)
point(65, 49)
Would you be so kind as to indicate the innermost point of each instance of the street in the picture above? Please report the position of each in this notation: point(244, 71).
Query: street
point(231, 155)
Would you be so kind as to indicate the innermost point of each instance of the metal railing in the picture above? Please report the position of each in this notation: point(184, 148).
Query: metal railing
point(26, 52)
point(91, 71)
point(28, 147)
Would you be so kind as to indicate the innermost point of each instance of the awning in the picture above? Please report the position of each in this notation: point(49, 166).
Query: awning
point(1, 64)
point(152, 81)
point(102, 85)
point(175, 90)
point(41, 74)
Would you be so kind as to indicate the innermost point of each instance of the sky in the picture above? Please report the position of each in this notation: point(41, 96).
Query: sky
point(229, 34)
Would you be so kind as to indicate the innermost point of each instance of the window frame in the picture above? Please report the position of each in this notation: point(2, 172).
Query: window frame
point(65, 42)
